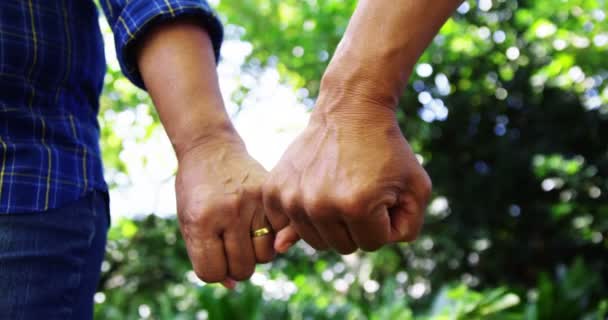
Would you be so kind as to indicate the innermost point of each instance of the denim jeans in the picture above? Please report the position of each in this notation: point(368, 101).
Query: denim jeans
point(50, 261)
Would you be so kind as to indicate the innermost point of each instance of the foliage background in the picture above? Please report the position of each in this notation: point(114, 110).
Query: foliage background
point(508, 110)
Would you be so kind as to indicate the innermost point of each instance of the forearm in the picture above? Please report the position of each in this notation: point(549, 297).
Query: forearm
point(382, 43)
point(177, 65)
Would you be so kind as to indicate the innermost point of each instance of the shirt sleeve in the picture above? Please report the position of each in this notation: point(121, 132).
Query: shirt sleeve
point(130, 19)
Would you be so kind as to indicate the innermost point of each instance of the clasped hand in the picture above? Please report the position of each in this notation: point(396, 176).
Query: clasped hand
point(348, 182)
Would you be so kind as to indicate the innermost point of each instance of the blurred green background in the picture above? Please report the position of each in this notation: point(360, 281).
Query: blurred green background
point(507, 110)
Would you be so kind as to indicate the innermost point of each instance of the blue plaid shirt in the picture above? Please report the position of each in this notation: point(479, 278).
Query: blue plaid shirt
point(51, 74)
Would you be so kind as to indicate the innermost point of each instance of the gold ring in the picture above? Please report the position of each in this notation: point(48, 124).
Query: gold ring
point(260, 232)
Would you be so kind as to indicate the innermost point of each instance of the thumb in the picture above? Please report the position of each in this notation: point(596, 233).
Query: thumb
point(285, 239)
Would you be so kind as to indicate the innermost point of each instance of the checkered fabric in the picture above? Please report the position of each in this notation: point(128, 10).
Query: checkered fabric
point(51, 75)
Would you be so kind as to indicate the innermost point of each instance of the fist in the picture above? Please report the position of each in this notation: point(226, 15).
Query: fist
point(348, 181)
point(219, 203)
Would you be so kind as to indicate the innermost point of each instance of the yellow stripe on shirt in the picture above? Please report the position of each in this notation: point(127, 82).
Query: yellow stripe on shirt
point(170, 8)
point(126, 27)
point(110, 10)
point(48, 174)
point(84, 154)
point(35, 58)
point(84, 168)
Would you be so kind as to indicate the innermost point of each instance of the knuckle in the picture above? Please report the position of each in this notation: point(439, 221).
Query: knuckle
point(318, 206)
point(318, 215)
point(205, 212)
point(352, 206)
point(229, 209)
point(291, 202)
point(198, 213)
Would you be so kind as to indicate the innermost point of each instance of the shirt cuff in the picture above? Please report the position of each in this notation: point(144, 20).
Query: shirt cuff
point(139, 15)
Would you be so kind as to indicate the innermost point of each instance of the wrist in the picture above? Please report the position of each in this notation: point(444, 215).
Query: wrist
point(350, 96)
point(378, 75)
point(206, 138)
point(352, 115)
point(359, 85)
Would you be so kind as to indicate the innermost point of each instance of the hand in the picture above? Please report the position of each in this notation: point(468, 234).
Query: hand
point(219, 204)
point(349, 181)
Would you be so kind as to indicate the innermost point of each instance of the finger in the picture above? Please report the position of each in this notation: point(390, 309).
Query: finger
point(335, 233)
point(208, 257)
point(229, 283)
point(406, 219)
point(273, 208)
point(372, 231)
point(285, 239)
point(262, 245)
point(304, 227)
point(239, 251)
